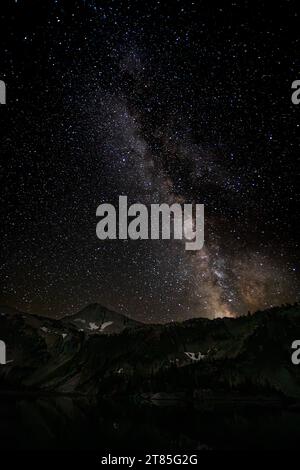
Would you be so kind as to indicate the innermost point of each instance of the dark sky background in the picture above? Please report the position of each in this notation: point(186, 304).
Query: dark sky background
point(185, 101)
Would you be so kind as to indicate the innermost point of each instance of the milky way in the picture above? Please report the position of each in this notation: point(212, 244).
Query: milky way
point(188, 104)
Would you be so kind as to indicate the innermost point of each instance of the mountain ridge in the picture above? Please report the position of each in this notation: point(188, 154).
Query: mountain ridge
point(250, 353)
point(97, 318)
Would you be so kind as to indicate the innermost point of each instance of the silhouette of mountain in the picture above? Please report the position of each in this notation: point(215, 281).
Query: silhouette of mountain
point(97, 319)
point(198, 358)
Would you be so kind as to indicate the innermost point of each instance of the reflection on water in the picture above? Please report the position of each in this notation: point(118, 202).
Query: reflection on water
point(68, 423)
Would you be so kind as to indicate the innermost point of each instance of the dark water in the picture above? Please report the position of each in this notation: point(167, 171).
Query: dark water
point(68, 423)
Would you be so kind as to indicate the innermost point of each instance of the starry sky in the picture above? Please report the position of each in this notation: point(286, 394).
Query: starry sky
point(184, 101)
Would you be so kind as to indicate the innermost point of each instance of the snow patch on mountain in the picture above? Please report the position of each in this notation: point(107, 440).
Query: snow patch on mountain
point(195, 356)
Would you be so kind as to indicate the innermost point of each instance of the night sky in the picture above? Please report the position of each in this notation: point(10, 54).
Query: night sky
point(184, 101)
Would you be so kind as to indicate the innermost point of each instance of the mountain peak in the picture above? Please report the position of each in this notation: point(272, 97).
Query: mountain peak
point(95, 318)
